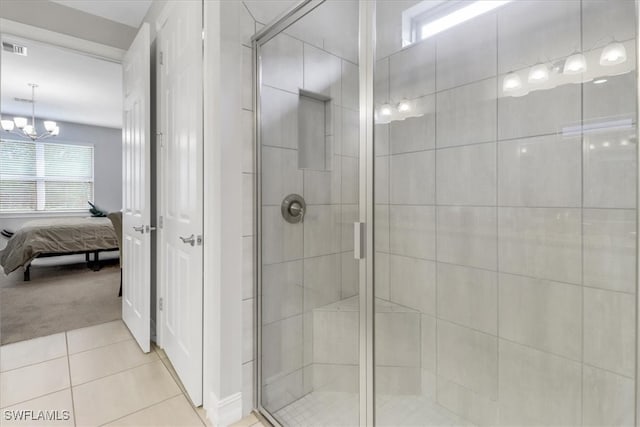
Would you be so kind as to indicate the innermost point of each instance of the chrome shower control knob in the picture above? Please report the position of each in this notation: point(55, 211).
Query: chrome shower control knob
point(293, 208)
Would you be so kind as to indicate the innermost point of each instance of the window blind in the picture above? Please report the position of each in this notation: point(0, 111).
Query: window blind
point(45, 176)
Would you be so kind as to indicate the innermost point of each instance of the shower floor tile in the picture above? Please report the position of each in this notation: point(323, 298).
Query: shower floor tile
point(339, 409)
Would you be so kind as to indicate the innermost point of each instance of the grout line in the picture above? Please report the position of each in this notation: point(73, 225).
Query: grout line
point(34, 364)
point(102, 346)
point(73, 405)
point(38, 397)
point(114, 373)
point(140, 410)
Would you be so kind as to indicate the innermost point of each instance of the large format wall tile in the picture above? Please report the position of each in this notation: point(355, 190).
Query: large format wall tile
point(280, 174)
point(322, 73)
point(321, 230)
point(281, 290)
point(480, 410)
point(281, 241)
point(412, 71)
point(468, 53)
point(602, 22)
point(467, 114)
point(543, 171)
point(613, 100)
point(609, 330)
point(413, 178)
point(610, 166)
point(541, 242)
point(414, 133)
point(279, 118)
point(538, 388)
point(322, 284)
point(381, 83)
point(541, 314)
point(412, 231)
point(469, 358)
point(468, 297)
point(282, 63)
point(467, 236)
point(350, 85)
point(610, 249)
point(546, 112)
point(397, 339)
point(413, 283)
point(466, 175)
point(608, 398)
point(529, 33)
point(281, 347)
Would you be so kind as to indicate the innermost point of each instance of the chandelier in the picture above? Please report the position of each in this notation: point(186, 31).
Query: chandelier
point(29, 129)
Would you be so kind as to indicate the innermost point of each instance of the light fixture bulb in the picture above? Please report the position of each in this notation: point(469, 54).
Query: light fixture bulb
point(404, 106)
point(56, 131)
point(599, 81)
point(385, 110)
point(7, 125)
point(29, 130)
point(20, 122)
point(575, 64)
point(613, 54)
point(49, 125)
point(538, 74)
point(511, 82)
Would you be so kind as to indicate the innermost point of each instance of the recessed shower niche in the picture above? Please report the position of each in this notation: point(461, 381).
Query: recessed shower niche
point(314, 150)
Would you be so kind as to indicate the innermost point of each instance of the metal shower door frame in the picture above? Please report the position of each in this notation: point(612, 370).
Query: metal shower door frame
point(366, 61)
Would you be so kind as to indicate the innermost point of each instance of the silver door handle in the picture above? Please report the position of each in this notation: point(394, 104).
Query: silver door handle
point(139, 229)
point(150, 228)
point(190, 240)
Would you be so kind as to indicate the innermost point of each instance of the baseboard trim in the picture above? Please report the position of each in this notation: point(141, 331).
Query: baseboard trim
point(224, 412)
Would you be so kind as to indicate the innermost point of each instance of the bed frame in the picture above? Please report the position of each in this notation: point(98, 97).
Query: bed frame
point(93, 265)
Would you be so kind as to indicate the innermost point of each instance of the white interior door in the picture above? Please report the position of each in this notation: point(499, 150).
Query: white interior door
point(180, 77)
point(136, 157)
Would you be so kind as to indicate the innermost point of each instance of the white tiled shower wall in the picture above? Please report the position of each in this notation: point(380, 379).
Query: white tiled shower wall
point(311, 264)
point(516, 243)
point(522, 267)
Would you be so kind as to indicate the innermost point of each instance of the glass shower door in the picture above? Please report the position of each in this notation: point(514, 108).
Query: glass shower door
point(505, 185)
point(309, 158)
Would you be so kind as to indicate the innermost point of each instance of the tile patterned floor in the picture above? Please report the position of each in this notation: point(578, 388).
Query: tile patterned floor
point(339, 409)
point(100, 376)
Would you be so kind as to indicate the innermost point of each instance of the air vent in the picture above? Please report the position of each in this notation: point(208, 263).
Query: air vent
point(30, 101)
point(14, 48)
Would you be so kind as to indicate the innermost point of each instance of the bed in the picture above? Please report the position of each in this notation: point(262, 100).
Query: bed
point(55, 237)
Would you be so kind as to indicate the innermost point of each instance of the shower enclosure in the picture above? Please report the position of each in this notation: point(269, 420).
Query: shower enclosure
point(447, 213)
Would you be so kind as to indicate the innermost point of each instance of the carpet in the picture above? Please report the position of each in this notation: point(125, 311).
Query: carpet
point(58, 298)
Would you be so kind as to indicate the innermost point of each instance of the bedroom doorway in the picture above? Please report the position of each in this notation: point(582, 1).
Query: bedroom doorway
point(50, 180)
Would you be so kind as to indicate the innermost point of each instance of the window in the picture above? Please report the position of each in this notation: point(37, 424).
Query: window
point(428, 18)
point(44, 176)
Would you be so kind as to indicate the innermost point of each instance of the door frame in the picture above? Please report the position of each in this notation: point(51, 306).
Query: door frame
point(366, 57)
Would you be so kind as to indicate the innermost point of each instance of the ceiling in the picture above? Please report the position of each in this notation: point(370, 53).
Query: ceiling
point(128, 13)
point(73, 87)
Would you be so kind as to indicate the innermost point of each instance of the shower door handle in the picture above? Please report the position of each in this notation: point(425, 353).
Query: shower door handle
point(359, 233)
